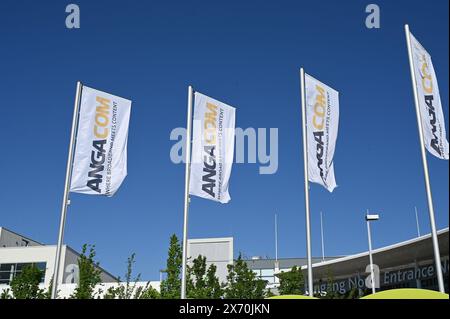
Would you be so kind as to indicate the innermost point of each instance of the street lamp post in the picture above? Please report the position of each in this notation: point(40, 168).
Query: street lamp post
point(369, 218)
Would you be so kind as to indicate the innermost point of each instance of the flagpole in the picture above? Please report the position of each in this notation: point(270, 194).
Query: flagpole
point(321, 236)
point(437, 258)
point(276, 238)
point(65, 201)
point(186, 191)
point(417, 222)
point(305, 161)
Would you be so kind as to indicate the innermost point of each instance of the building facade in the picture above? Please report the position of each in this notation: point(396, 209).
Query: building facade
point(17, 251)
point(408, 264)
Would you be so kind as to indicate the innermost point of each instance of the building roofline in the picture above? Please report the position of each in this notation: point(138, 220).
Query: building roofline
point(99, 267)
point(15, 233)
point(378, 250)
point(209, 240)
point(292, 258)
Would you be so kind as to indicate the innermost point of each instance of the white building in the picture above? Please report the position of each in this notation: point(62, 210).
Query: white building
point(218, 251)
point(407, 264)
point(17, 251)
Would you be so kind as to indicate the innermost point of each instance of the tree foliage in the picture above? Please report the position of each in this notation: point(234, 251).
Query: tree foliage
point(124, 291)
point(89, 274)
point(215, 290)
point(26, 284)
point(147, 292)
point(352, 294)
point(130, 290)
point(291, 282)
point(331, 294)
point(202, 282)
point(171, 285)
point(242, 282)
point(6, 294)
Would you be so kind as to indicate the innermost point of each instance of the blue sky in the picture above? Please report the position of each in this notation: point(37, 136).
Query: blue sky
point(247, 54)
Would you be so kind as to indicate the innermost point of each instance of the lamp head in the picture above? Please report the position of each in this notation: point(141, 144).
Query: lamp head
point(372, 217)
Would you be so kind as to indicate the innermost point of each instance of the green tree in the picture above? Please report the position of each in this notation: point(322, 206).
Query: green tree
point(124, 291)
point(89, 274)
point(352, 294)
point(129, 290)
point(291, 282)
point(330, 292)
point(195, 279)
point(147, 292)
point(269, 293)
point(242, 282)
point(171, 286)
point(48, 293)
point(202, 282)
point(215, 290)
point(6, 294)
point(26, 284)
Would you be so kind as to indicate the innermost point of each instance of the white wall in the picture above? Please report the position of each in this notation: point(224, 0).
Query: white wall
point(218, 251)
point(34, 254)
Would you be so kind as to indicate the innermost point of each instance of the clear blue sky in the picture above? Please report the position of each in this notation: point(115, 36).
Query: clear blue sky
point(245, 53)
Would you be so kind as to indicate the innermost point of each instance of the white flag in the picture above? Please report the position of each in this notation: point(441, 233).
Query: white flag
point(322, 116)
point(100, 161)
point(433, 123)
point(212, 149)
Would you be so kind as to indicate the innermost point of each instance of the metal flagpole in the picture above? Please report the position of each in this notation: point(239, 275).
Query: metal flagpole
point(65, 201)
point(305, 161)
point(437, 258)
point(276, 239)
point(321, 235)
point(186, 191)
point(276, 264)
point(369, 237)
point(417, 222)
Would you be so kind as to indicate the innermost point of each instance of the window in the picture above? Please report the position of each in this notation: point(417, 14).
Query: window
point(9, 271)
point(267, 272)
point(5, 273)
point(430, 283)
point(257, 272)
